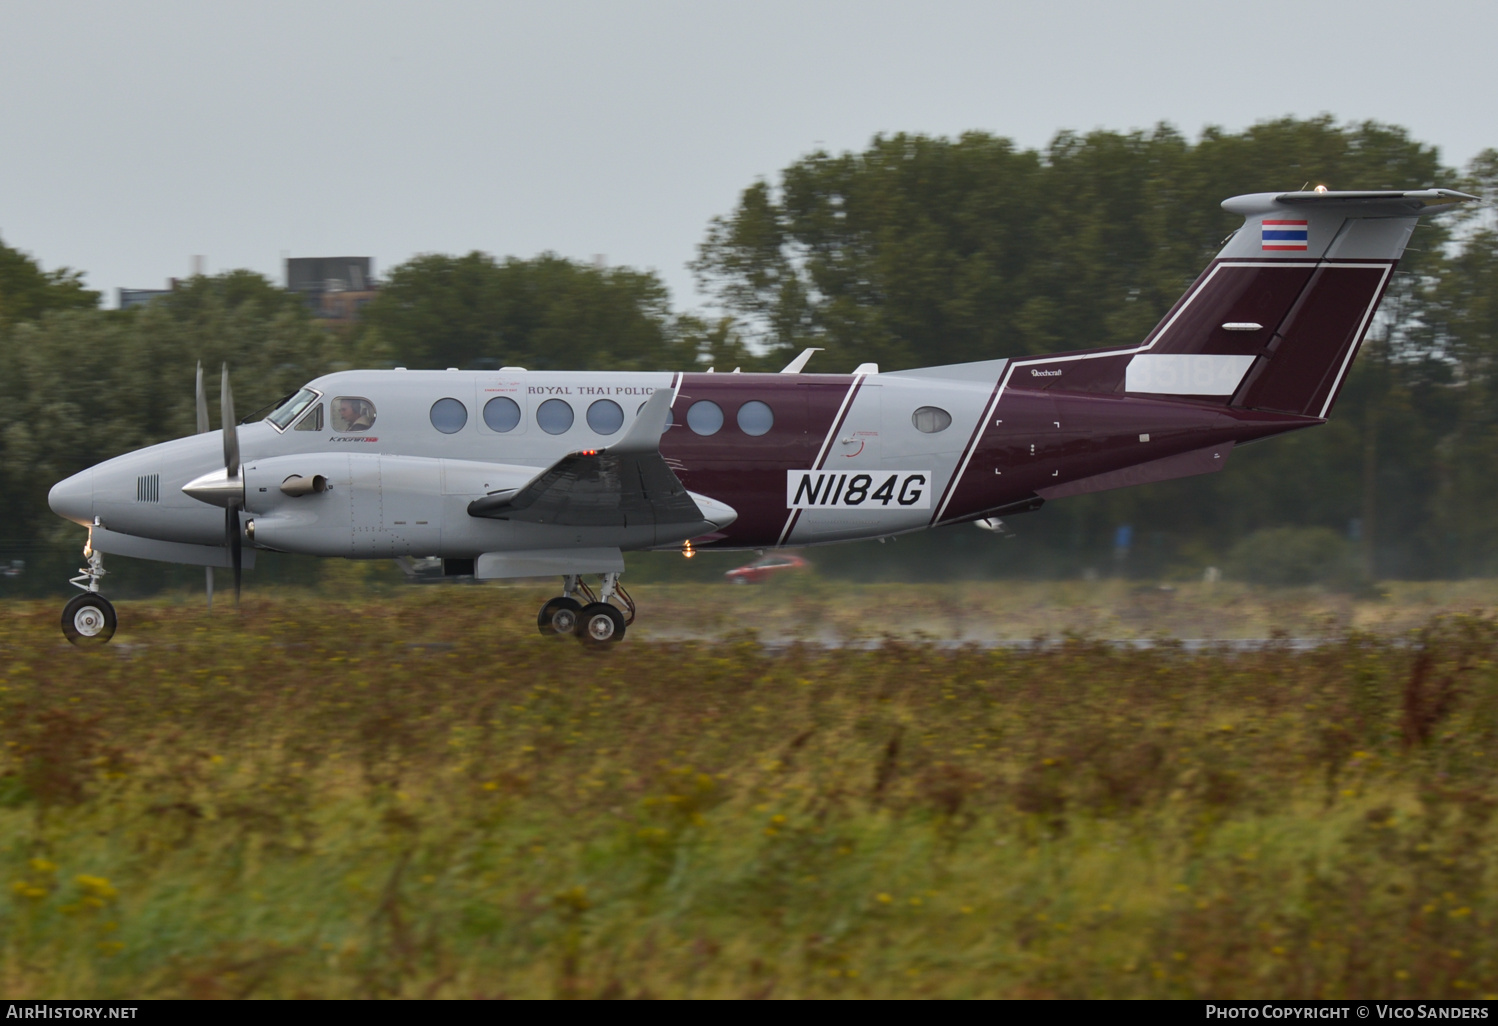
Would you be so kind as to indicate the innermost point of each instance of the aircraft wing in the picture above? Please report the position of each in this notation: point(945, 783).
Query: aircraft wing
point(625, 485)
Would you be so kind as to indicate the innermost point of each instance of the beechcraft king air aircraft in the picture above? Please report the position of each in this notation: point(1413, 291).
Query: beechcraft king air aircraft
point(516, 473)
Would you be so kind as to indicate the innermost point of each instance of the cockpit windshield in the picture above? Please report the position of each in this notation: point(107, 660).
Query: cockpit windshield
point(287, 412)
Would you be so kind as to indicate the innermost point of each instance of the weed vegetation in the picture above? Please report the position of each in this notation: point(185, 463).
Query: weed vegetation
point(415, 797)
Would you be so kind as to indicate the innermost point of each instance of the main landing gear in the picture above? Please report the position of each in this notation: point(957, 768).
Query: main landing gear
point(88, 619)
point(597, 622)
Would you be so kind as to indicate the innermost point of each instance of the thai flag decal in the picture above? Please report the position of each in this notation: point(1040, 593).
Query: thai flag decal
point(1284, 235)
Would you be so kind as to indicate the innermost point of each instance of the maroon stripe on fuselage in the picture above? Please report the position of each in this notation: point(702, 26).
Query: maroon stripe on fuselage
point(1078, 420)
point(822, 453)
point(748, 472)
point(1034, 440)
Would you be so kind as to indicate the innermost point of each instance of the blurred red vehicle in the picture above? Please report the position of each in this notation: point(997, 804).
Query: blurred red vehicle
point(765, 566)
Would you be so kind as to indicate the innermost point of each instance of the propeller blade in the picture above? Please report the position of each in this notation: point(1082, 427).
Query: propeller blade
point(231, 469)
point(236, 552)
point(231, 436)
point(201, 395)
point(202, 402)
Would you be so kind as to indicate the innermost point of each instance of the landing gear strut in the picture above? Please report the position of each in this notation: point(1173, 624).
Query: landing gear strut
point(599, 620)
point(88, 619)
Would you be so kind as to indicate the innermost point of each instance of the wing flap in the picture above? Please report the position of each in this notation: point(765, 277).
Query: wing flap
point(596, 489)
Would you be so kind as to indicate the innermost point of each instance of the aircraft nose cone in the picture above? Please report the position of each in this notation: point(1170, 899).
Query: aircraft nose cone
point(73, 498)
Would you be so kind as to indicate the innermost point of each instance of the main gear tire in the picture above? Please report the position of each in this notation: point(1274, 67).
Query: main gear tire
point(559, 617)
point(600, 625)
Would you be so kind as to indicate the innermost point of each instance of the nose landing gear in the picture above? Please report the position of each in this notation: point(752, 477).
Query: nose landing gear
point(89, 619)
point(598, 622)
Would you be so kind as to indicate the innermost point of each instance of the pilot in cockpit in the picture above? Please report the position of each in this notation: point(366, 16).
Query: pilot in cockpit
point(354, 414)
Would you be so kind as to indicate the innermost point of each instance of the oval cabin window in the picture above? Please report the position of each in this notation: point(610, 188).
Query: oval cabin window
point(605, 417)
point(449, 416)
point(931, 419)
point(756, 418)
point(705, 417)
point(502, 414)
point(554, 416)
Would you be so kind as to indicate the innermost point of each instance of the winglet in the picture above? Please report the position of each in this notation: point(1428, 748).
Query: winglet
point(644, 435)
point(794, 367)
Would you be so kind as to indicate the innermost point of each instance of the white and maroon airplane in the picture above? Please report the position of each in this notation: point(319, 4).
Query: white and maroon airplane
point(516, 473)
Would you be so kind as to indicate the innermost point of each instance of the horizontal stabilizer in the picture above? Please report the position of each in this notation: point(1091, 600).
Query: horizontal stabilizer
point(1186, 464)
point(1419, 201)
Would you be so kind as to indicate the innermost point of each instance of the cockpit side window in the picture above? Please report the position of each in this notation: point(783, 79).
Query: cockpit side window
point(311, 420)
point(287, 412)
point(352, 413)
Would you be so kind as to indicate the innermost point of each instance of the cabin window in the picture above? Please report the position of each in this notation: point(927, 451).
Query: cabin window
point(605, 417)
point(287, 412)
point(705, 417)
point(931, 419)
point(670, 417)
point(312, 420)
point(502, 413)
point(554, 416)
point(449, 416)
point(756, 418)
point(353, 413)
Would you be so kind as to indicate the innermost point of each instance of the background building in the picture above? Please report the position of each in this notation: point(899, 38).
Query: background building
point(336, 288)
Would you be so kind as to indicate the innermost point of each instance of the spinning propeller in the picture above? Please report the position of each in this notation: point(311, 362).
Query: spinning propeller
point(202, 398)
point(231, 470)
point(222, 489)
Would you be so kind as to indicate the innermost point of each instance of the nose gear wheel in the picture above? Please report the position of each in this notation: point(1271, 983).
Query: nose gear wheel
point(88, 620)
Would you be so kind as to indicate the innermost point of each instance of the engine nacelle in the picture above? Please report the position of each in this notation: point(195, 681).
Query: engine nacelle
point(369, 505)
point(372, 506)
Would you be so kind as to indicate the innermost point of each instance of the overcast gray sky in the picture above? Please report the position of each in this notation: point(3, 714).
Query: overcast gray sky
point(136, 134)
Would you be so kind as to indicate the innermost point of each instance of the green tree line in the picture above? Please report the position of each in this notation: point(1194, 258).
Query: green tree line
point(916, 251)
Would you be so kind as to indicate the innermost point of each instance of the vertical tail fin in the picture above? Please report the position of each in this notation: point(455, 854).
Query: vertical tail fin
point(1274, 322)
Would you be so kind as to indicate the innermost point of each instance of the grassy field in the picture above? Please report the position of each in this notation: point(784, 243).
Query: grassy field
point(416, 796)
point(813, 608)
